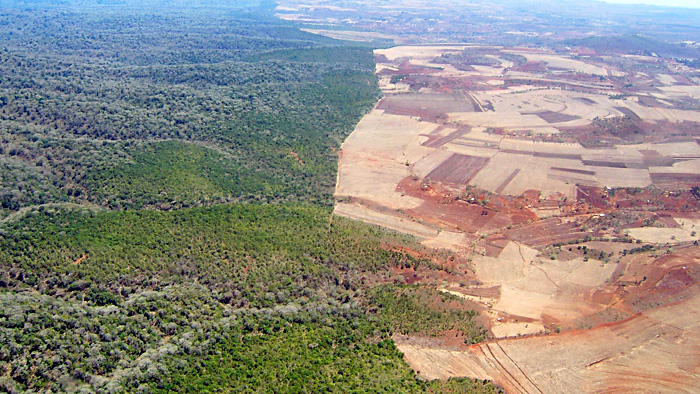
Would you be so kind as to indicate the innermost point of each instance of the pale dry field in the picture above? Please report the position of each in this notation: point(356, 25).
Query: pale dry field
point(690, 228)
point(534, 286)
point(680, 91)
point(568, 64)
point(533, 173)
point(368, 215)
point(448, 240)
point(505, 330)
point(350, 35)
point(682, 167)
point(666, 79)
point(643, 355)
point(374, 156)
point(418, 53)
point(497, 119)
point(424, 166)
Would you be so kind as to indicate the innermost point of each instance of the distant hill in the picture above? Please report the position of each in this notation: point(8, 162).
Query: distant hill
point(637, 44)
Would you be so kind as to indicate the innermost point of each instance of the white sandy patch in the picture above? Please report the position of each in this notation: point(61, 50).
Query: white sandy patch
point(505, 330)
point(690, 228)
point(666, 79)
point(447, 240)
point(418, 52)
point(591, 273)
point(510, 264)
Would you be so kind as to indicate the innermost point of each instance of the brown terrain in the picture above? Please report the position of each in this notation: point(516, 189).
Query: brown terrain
point(561, 191)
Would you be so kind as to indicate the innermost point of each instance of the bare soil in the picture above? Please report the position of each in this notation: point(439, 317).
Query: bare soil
point(559, 202)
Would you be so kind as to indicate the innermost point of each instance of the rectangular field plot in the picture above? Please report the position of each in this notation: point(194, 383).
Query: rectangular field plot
point(427, 105)
point(458, 169)
point(556, 117)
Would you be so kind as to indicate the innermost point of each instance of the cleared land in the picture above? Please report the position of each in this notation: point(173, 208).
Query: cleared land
point(660, 346)
point(566, 192)
point(653, 350)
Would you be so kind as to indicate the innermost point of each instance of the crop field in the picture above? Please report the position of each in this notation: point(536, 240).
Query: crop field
point(513, 131)
point(429, 106)
point(527, 125)
point(565, 189)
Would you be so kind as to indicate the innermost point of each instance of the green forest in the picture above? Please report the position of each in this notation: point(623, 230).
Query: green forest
point(166, 191)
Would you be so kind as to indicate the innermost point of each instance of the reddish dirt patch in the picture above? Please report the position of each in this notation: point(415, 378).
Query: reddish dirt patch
point(433, 136)
point(667, 220)
point(675, 200)
point(592, 196)
point(658, 281)
point(678, 278)
point(650, 102)
point(628, 129)
point(465, 213)
point(493, 245)
point(654, 158)
point(602, 297)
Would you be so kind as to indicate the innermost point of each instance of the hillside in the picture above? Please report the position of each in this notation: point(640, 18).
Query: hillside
point(637, 44)
point(146, 300)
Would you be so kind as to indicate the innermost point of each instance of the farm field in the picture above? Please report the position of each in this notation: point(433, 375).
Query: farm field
point(513, 121)
point(566, 190)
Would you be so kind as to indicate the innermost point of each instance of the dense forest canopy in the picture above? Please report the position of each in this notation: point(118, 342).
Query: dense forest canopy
point(93, 98)
point(166, 173)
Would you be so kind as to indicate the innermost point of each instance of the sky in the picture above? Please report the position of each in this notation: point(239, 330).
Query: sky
point(669, 3)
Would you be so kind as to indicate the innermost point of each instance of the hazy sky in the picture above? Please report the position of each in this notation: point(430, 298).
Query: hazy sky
point(670, 3)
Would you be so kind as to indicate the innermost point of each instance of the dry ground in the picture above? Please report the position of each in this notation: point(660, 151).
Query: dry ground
point(497, 163)
point(653, 349)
